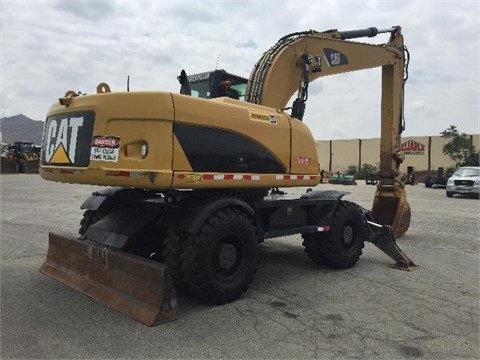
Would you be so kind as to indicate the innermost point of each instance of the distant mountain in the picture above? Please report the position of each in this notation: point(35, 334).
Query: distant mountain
point(21, 128)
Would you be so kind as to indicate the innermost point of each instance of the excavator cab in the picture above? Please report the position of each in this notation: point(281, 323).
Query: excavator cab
point(213, 84)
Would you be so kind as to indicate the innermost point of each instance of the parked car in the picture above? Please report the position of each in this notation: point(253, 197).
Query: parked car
point(436, 183)
point(464, 181)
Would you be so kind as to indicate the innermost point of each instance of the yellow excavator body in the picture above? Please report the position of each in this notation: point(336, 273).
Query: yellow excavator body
point(187, 142)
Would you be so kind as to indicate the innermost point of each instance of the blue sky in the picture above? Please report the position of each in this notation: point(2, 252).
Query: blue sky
point(49, 47)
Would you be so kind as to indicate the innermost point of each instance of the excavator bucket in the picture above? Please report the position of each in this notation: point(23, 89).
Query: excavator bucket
point(392, 208)
point(137, 287)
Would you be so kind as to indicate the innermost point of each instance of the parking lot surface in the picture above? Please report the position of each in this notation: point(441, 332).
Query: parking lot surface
point(294, 309)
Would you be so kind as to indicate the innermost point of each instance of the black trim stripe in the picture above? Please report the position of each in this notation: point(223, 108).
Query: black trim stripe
point(218, 150)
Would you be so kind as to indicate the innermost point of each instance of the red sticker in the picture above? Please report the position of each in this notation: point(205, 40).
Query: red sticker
point(302, 160)
point(106, 141)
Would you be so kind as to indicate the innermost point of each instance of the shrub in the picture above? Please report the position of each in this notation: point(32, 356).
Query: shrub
point(352, 170)
point(368, 169)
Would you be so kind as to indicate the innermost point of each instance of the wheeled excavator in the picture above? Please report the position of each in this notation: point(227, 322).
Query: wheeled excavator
point(191, 181)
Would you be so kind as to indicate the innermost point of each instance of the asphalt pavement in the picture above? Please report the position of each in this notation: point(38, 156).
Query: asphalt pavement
point(294, 309)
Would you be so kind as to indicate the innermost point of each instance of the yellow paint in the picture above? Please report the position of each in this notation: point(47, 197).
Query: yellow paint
point(60, 156)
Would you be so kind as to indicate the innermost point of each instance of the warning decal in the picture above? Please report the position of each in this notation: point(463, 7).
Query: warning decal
point(304, 160)
point(105, 148)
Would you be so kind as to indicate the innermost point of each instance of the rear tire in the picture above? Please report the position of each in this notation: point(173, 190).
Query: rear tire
point(89, 218)
point(449, 194)
point(342, 246)
point(172, 255)
point(219, 261)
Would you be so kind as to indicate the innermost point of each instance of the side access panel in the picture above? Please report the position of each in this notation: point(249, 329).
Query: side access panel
point(139, 288)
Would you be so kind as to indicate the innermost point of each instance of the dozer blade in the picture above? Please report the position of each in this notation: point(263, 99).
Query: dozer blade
point(33, 166)
point(8, 166)
point(383, 238)
point(137, 287)
point(392, 208)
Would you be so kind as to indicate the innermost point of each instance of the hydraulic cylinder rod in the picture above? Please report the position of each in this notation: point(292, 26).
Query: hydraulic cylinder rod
point(369, 32)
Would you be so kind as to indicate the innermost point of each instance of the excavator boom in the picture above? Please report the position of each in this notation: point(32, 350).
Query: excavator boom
point(317, 54)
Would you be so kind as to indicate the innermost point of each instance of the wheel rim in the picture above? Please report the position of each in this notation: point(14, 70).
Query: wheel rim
point(228, 260)
point(348, 236)
point(227, 256)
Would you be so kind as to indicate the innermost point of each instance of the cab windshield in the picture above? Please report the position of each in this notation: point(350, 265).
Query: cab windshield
point(26, 148)
point(213, 84)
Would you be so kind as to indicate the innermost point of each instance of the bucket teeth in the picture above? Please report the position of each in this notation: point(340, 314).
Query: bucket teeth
point(382, 237)
point(404, 265)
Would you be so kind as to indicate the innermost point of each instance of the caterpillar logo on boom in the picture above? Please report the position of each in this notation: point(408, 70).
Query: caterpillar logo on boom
point(335, 57)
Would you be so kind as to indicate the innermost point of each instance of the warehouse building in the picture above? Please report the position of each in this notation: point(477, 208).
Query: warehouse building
point(422, 153)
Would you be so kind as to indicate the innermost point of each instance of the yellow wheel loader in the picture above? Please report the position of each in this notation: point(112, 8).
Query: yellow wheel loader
point(192, 180)
point(20, 157)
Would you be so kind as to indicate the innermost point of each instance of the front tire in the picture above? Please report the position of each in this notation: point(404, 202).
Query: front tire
point(89, 218)
point(449, 194)
point(171, 254)
point(219, 261)
point(342, 246)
